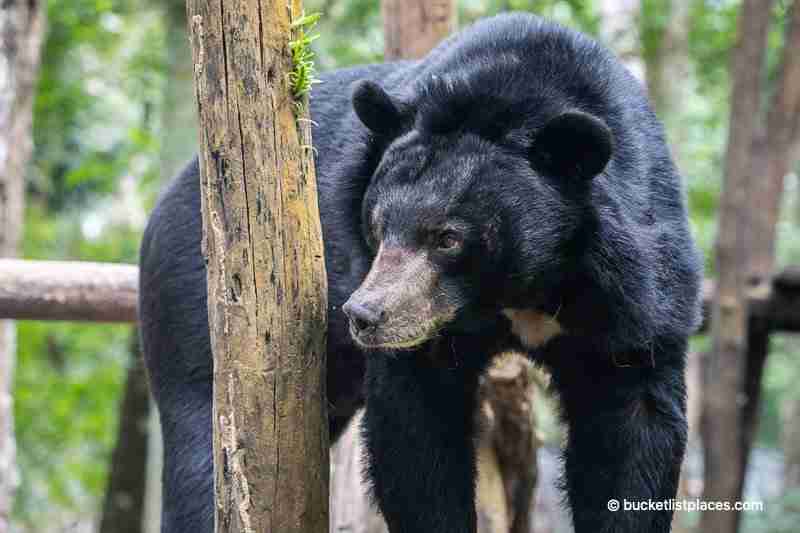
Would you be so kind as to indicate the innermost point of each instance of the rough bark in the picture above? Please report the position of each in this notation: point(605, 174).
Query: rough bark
point(411, 28)
point(492, 505)
point(57, 290)
point(123, 507)
point(722, 425)
point(21, 32)
point(266, 275)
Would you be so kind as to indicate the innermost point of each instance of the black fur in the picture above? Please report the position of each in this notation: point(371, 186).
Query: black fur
point(544, 150)
point(376, 109)
point(573, 145)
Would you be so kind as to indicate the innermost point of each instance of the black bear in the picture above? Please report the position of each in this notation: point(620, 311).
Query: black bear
point(512, 190)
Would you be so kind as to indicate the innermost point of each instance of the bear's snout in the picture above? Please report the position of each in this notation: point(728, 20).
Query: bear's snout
point(396, 305)
point(363, 316)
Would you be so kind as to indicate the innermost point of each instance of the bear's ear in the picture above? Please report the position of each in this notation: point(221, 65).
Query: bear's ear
point(575, 145)
point(378, 111)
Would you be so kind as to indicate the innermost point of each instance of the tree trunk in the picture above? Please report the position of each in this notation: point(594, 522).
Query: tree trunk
point(774, 153)
point(123, 508)
point(507, 396)
point(725, 378)
point(411, 28)
point(266, 275)
point(21, 32)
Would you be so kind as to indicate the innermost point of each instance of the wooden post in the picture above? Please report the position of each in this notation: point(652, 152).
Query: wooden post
point(266, 275)
point(412, 28)
point(21, 31)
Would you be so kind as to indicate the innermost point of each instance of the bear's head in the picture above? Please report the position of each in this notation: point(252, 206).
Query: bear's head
point(465, 223)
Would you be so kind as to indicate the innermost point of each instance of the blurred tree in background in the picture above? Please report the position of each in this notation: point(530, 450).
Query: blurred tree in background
point(114, 116)
point(94, 132)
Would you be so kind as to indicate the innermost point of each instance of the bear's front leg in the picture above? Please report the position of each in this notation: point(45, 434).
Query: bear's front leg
point(626, 436)
point(419, 428)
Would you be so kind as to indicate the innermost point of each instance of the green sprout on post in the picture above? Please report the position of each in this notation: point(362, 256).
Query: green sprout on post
point(303, 75)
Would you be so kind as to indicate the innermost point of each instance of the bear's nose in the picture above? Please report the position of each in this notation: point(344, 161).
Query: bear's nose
point(362, 316)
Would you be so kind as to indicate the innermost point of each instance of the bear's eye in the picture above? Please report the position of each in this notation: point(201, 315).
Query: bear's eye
point(449, 241)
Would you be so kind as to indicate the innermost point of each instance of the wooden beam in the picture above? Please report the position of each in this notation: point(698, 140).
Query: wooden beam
point(781, 311)
point(57, 290)
point(105, 292)
point(267, 288)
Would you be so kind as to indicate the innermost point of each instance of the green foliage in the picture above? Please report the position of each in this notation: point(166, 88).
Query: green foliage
point(66, 385)
point(97, 52)
point(303, 75)
point(711, 38)
point(350, 32)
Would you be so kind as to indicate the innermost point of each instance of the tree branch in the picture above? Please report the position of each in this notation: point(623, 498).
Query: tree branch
point(54, 290)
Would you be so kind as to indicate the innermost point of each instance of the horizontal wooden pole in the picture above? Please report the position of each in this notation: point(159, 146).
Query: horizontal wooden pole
point(104, 292)
point(781, 311)
point(77, 291)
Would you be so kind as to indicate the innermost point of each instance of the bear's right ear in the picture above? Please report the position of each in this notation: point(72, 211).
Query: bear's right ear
point(575, 145)
point(378, 111)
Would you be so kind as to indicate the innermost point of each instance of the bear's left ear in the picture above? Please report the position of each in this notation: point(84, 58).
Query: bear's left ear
point(376, 109)
point(575, 145)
